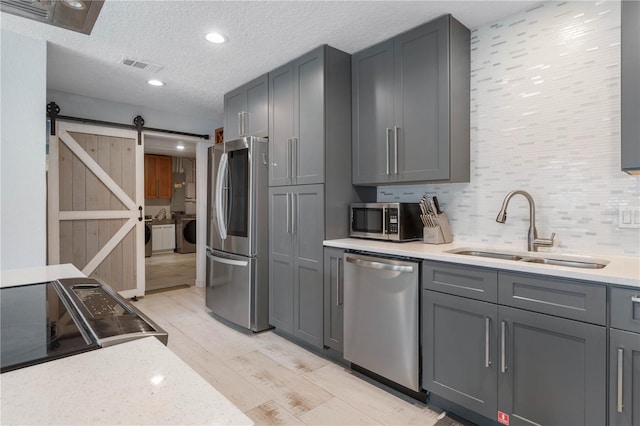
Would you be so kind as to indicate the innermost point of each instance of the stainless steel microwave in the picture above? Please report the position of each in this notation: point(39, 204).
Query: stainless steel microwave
point(386, 221)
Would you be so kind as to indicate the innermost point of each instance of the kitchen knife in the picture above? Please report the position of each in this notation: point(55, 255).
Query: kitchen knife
point(435, 202)
point(432, 206)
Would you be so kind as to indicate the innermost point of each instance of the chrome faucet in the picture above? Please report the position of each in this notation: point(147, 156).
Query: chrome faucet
point(532, 237)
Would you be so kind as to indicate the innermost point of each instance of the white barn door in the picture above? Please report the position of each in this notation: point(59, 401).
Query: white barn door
point(95, 201)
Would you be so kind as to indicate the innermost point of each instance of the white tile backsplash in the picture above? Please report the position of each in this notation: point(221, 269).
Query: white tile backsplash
point(545, 118)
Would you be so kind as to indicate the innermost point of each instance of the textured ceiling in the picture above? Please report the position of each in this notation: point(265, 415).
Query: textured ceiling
point(262, 35)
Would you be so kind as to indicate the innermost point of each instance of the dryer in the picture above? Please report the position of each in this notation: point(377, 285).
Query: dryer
point(186, 234)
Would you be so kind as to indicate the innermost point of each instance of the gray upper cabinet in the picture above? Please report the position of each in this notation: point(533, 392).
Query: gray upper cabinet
point(333, 298)
point(630, 85)
point(299, 94)
point(296, 261)
point(411, 107)
point(281, 107)
point(372, 114)
point(246, 110)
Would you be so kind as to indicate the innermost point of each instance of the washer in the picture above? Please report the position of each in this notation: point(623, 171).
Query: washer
point(148, 234)
point(186, 234)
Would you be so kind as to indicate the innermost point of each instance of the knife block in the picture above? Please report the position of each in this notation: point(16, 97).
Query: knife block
point(439, 234)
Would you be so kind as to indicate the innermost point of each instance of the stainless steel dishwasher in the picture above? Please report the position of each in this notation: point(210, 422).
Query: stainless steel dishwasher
point(381, 322)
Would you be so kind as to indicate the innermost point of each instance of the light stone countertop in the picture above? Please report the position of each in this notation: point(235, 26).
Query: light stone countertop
point(621, 270)
point(140, 382)
point(38, 274)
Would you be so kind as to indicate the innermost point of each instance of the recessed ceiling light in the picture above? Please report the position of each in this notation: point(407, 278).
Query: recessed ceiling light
point(155, 83)
point(180, 147)
point(74, 4)
point(216, 38)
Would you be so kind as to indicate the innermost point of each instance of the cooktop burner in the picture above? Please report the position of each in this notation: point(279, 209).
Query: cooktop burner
point(37, 326)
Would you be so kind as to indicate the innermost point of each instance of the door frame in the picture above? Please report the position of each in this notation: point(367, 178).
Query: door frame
point(133, 214)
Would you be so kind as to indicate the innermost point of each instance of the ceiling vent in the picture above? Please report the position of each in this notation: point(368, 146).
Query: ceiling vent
point(141, 65)
point(79, 15)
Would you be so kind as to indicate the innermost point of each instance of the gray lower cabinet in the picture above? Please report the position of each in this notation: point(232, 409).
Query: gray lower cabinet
point(246, 110)
point(333, 298)
point(306, 97)
point(552, 371)
point(624, 378)
point(296, 232)
point(459, 350)
point(410, 106)
point(624, 357)
point(510, 362)
point(630, 85)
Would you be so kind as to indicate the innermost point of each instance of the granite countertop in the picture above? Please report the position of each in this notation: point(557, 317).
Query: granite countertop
point(620, 270)
point(138, 382)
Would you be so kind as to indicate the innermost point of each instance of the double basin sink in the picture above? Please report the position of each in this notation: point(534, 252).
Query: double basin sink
point(557, 260)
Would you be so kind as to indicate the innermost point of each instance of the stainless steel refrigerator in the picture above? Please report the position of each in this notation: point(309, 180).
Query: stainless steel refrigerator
point(238, 232)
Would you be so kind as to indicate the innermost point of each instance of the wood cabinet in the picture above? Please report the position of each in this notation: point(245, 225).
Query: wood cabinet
point(163, 237)
point(246, 110)
point(630, 85)
point(499, 358)
point(333, 298)
point(296, 233)
point(410, 107)
point(157, 176)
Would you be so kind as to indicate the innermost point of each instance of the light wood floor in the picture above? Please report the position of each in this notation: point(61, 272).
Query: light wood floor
point(272, 380)
point(169, 270)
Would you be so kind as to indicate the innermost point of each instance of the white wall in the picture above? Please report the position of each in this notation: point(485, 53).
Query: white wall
point(545, 117)
point(23, 190)
point(202, 160)
point(117, 112)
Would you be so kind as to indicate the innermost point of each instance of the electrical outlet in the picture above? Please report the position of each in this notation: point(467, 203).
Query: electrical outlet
point(629, 217)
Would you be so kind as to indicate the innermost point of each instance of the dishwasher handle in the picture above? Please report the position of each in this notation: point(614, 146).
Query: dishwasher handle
point(379, 265)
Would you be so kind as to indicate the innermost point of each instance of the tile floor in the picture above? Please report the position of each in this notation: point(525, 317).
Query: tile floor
point(271, 379)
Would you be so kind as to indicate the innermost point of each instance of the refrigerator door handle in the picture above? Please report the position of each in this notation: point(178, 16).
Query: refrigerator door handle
point(220, 210)
point(227, 261)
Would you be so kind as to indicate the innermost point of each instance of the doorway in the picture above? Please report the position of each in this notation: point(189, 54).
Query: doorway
point(169, 160)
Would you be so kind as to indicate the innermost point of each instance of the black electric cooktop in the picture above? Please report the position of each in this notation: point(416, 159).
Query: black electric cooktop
point(37, 325)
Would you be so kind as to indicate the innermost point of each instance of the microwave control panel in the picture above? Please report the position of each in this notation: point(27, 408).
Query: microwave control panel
point(392, 225)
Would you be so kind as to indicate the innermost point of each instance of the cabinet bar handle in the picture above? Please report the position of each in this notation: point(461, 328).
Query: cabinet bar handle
point(635, 299)
point(487, 361)
point(619, 393)
point(288, 214)
point(240, 123)
point(289, 159)
point(338, 301)
point(503, 332)
point(396, 129)
point(387, 130)
point(294, 158)
point(294, 217)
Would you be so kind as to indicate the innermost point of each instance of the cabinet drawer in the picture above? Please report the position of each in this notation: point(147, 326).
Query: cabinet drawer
point(461, 280)
point(625, 309)
point(561, 297)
